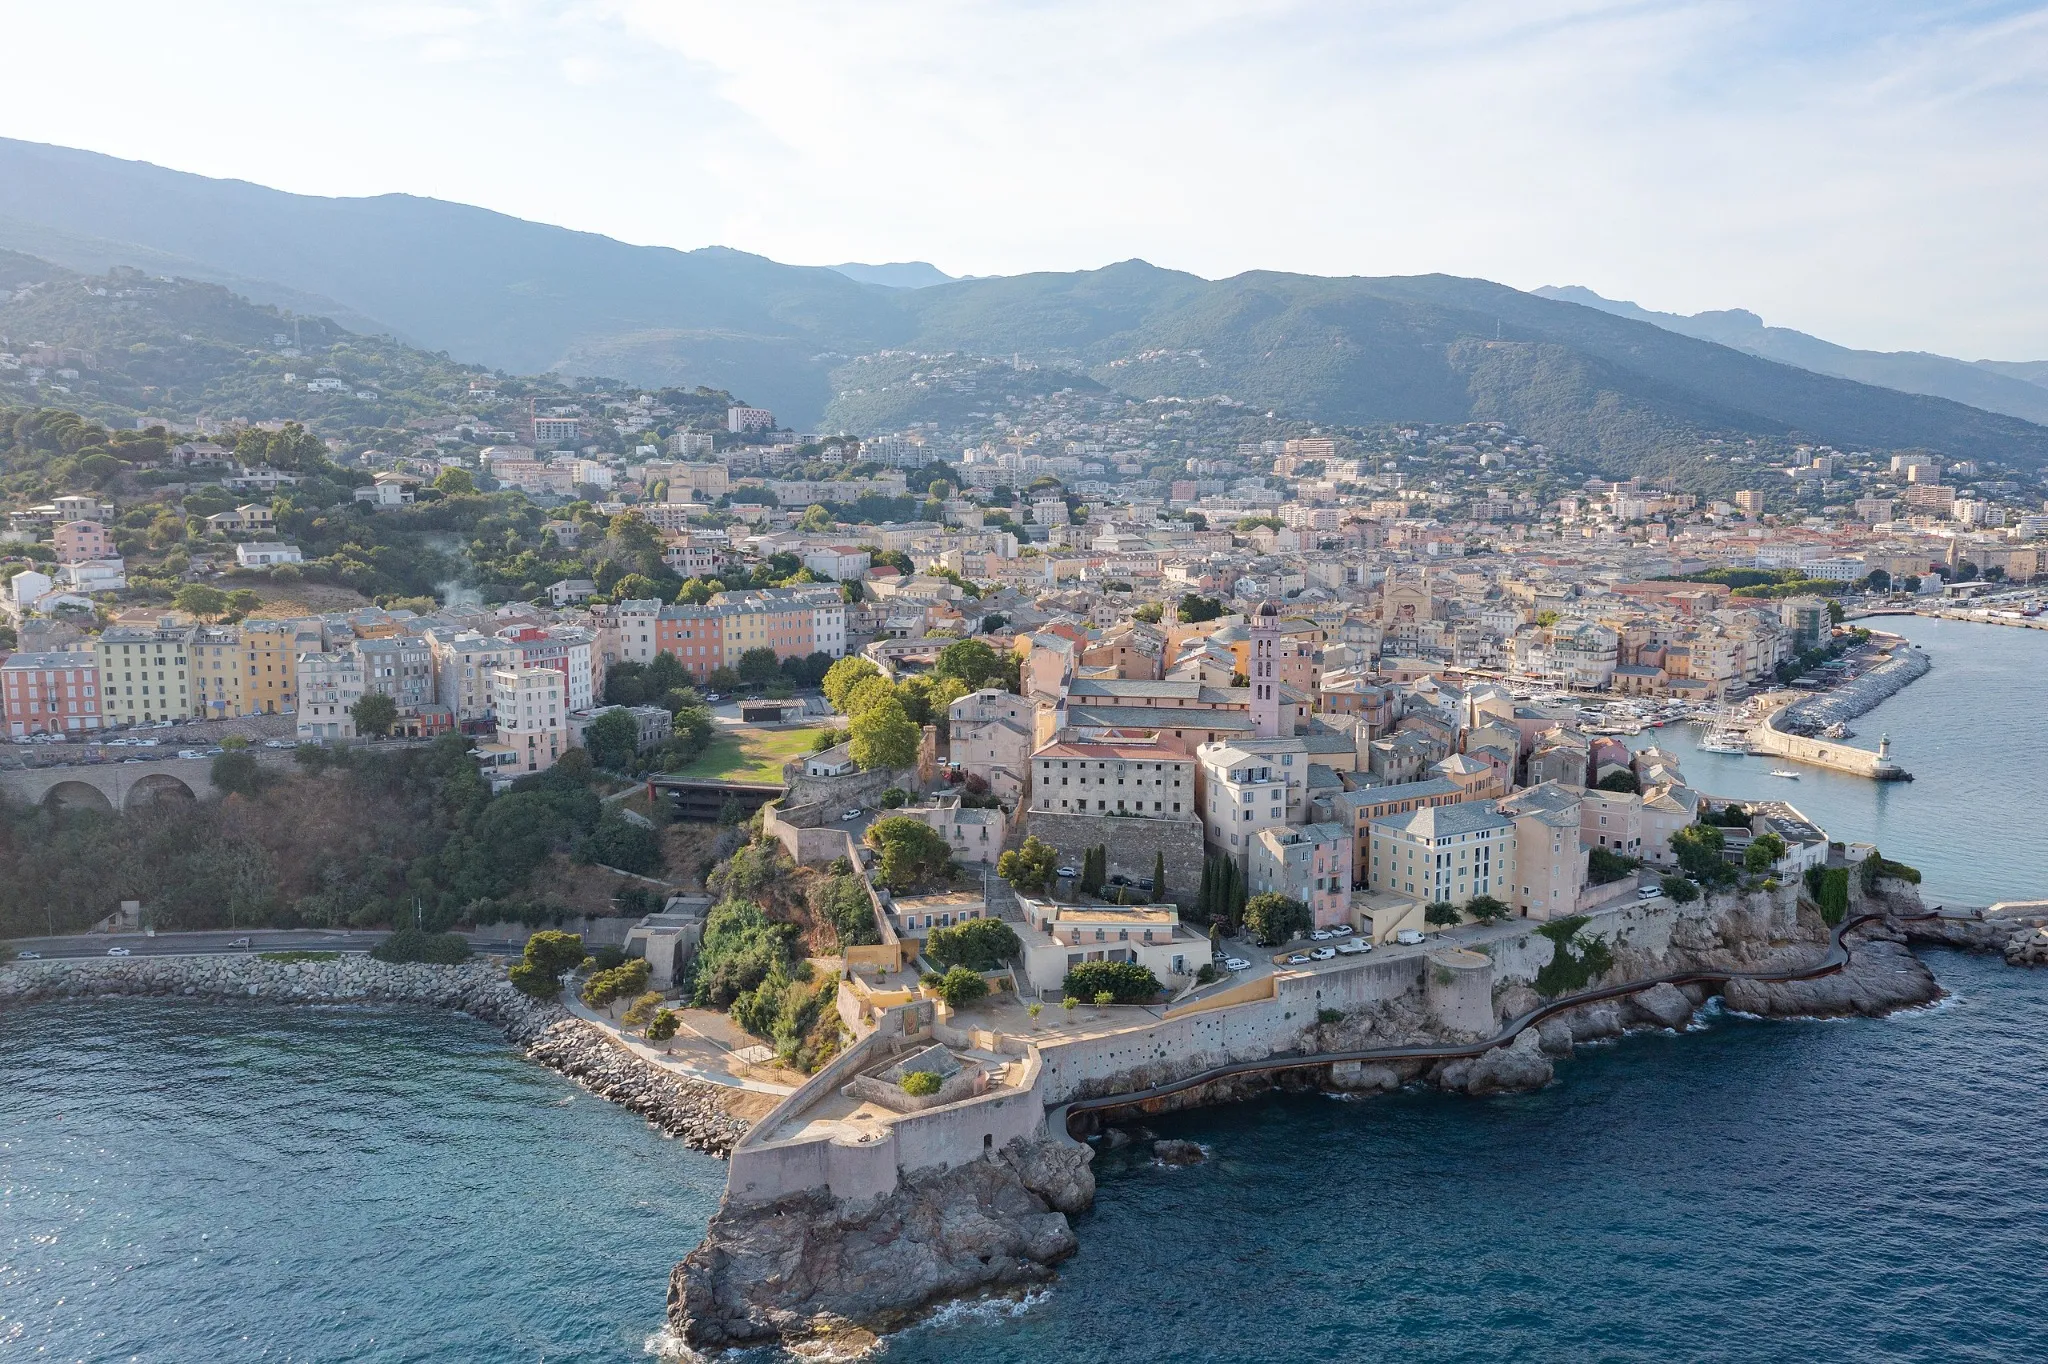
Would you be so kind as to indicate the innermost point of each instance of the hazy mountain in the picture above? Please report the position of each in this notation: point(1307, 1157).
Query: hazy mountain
point(528, 297)
point(905, 274)
point(1988, 384)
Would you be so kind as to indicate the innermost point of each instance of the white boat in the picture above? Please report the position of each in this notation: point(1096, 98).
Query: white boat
point(1784, 772)
point(1724, 743)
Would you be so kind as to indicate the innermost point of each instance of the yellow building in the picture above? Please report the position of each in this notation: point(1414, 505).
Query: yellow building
point(217, 671)
point(270, 651)
point(143, 674)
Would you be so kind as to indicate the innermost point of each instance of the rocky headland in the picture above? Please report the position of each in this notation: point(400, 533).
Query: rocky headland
point(689, 1110)
point(812, 1266)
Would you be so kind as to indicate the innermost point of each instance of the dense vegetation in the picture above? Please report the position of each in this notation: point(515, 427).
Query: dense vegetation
point(355, 839)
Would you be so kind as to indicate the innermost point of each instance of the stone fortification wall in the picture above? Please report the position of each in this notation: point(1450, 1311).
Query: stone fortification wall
point(1132, 845)
point(839, 793)
point(682, 1107)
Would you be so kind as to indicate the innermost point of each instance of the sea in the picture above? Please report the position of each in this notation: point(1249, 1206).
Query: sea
point(185, 1181)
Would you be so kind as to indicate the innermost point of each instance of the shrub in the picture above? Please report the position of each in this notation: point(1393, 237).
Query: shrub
point(842, 901)
point(740, 948)
point(895, 798)
point(1440, 914)
point(979, 944)
point(641, 1011)
point(1680, 889)
point(1763, 853)
point(959, 987)
point(1125, 981)
point(410, 944)
point(1578, 958)
point(1329, 1015)
point(1273, 918)
point(1208, 974)
point(1834, 895)
point(1030, 867)
point(1604, 866)
point(921, 1084)
point(663, 1025)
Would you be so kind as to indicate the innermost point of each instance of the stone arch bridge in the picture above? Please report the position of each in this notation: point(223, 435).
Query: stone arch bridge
point(121, 786)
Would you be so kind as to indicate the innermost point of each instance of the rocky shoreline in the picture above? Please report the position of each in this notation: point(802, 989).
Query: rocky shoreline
point(689, 1110)
point(810, 1267)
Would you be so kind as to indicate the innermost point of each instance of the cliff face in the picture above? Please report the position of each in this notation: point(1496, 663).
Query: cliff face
point(810, 1265)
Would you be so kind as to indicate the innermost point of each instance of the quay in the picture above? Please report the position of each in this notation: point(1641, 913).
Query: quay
point(1768, 739)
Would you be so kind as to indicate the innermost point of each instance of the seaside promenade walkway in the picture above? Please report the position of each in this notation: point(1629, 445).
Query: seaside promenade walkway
point(1836, 957)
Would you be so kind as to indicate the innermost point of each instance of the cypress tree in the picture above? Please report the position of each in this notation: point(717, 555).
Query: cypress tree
point(1159, 875)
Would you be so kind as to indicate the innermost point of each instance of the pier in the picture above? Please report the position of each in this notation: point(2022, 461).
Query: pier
point(1767, 738)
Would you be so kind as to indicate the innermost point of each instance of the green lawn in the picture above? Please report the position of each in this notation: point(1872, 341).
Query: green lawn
point(750, 755)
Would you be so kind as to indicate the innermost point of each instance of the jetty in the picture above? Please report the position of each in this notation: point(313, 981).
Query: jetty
point(1768, 738)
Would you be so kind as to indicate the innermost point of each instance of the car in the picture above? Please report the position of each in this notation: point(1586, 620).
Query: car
point(213, 752)
point(1648, 892)
point(849, 814)
point(28, 956)
point(1236, 964)
point(275, 743)
point(1408, 937)
point(713, 696)
point(1068, 873)
point(190, 753)
point(1297, 959)
point(148, 743)
point(1353, 948)
point(1323, 953)
point(117, 951)
point(241, 943)
point(1145, 884)
point(1323, 934)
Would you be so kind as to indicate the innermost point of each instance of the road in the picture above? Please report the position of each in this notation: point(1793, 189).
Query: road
point(221, 943)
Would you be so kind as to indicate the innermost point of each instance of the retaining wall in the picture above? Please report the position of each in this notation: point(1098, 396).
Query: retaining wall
point(1132, 846)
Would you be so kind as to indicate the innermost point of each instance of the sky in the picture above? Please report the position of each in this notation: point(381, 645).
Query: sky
point(1869, 171)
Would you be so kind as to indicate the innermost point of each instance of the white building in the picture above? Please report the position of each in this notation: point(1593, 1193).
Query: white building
point(533, 721)
point(329, 683)
point(263, 554)
point(1243, 793)
point(742, 419)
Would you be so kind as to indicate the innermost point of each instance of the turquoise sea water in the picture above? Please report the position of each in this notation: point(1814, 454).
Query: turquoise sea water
point(187, 1182)
point(1974, 734)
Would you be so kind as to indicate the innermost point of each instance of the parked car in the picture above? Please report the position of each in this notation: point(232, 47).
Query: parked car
point(1354, 947)
point(1408, 937)
point(1323, 953)
point(1297, 959)
point(1648, 892)
point(29, 956)
point(117, 951)
point(190, 753)
point(850, 814)
point(242, 943)
point(276, 743)
point(713, 696)
point(1323, 934)
point(1236, 964)
point(1069, 873)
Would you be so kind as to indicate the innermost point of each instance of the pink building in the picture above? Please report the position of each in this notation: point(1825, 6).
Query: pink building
point(50, 693)
point(80, 542)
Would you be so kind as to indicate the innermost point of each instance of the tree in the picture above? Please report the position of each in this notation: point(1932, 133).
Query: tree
point(816, 520)
point(1621, 779)
point(1273, 918)
point(1149, 613)
point(883, 737)
point(978, 944)
point(1679, 889)
point(1194, 609)
point(1877, 580)
point(1126, 981)
point(1159, 875)
point(1092, 870)
point(1911, 583)
point(1030, 867)
point(1763, 853)
point(197, 599)
point(911, 851)
point(243, 600)
point(663, 1026)
point(640, 1012)
point(374, 714)
point(960, 987)
point(870, 691)
point(455, 483)
point(612, 740)
point(235, 772)
point(843, 676)
point(973, 662)
point(1698, 847)
point(1486, 909)
point(604, 988)
point(548, 954)
point(759, 667)
point(1441, 914)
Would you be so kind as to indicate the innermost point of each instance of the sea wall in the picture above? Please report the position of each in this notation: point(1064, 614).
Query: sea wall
point(687, 1109)
point(1840, 704)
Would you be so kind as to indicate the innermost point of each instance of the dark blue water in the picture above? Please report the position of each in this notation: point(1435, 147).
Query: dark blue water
point(197, 1184)
point(1971, 732)
point(219, 1183)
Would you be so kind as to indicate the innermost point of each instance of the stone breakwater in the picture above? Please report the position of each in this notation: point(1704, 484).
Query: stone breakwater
point(1844, 703)
point(686, 1109)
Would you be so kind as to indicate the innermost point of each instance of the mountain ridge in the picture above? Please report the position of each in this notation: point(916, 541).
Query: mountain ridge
point(528, 297)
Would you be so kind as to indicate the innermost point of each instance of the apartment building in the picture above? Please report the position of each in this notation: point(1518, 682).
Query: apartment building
point(1310, 863)
point(143, 674)
point(1445, 852)
point(464, 663)
point(1243, 793)
point(329, 683)
point(50, 693)
point(82, 542)
point(400, 667)
point(1132, 775)
point(991, 735)
point(533, 722)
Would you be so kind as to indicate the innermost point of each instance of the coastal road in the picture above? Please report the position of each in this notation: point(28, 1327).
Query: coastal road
point(220, 943)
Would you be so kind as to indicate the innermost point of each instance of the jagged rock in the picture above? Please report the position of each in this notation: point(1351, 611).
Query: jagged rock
point(1554, 1036)
point(1116, 1137)
point(1056, 1171)
point(788, 1269)
point(1363, 1077)
point(1518, 1066)
point(1515, 1000)
point(1662, 1005)
point(2028, 947)
point(1177, 1153)
point(1591, 1022)
point(1881, 976)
